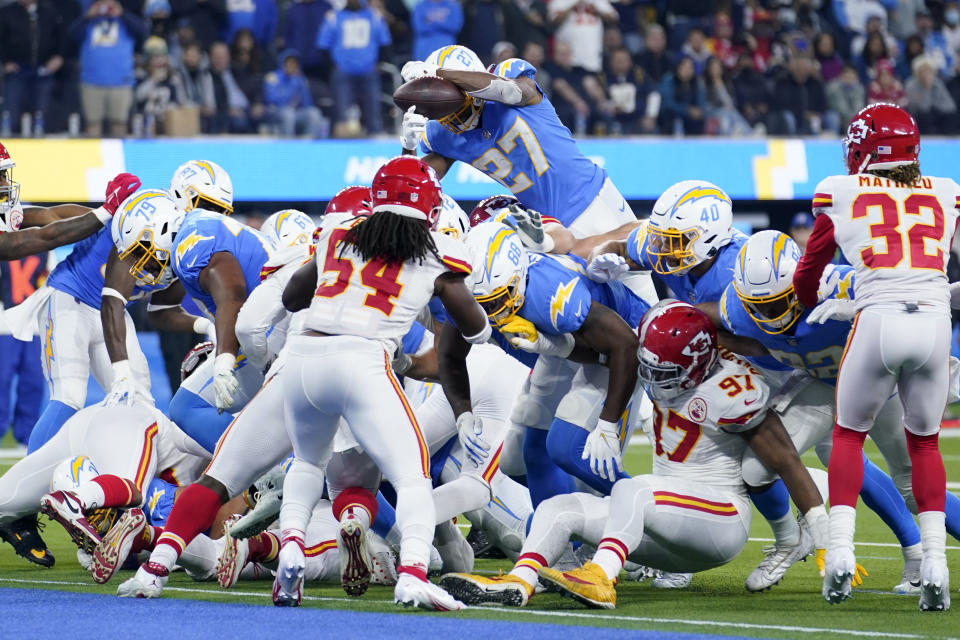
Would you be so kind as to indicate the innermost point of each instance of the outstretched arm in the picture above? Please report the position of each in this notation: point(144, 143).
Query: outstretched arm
point(27, 242)
point(40, 216)
point(480, 84)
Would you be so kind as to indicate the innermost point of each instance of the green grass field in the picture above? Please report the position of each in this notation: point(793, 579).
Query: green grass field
point(716, 602)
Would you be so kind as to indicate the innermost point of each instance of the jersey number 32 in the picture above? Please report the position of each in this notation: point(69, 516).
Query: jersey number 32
point(899, 243)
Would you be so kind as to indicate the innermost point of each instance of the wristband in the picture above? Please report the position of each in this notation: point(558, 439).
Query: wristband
point(103, 215)
point(113, 293)
point(481, 337)
point(202, 325)
point(548, 243)
point(224, 363)
point(121, 369)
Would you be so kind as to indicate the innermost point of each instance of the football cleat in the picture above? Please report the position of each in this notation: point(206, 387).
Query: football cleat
point(934, 585)
point(85, 560)
point(233, 558)
point(354, 557)
point(588, 585)
point(909, 580)
point(147, 582)
point(24, 536)
point(481, 544)
point(667, 580)
point(383, 565)
point(506, 590)
point(839, 569)
point(267, 499)
point(115, 546)
point(777, 560)
point(411, 591)
point(288, 585)
point(65, 508)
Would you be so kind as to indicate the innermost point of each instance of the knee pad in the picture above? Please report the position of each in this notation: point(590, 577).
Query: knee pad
point(755, 473)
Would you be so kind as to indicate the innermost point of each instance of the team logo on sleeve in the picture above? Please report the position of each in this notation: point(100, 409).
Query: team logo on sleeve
point(558, 303)
point(697, 409)
point(190, 242)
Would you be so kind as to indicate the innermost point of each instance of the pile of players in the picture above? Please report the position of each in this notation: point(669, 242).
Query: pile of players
point(294, 451)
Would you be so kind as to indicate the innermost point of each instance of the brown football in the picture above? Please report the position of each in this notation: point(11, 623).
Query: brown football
point(434, 97)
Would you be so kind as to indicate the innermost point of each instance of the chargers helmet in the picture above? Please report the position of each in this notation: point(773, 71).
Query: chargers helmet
point(287, 228)
point(880, 136)
point(355, 201)
point(488, 207)
point(11, 214)
point(763, 280)
point(499, 278)
point(453, 220)
point(72, 472)
point(407, 186)
point(143, 229)
point(678, 349)
point(688, 225)
point(201, 184)
point(459, 58)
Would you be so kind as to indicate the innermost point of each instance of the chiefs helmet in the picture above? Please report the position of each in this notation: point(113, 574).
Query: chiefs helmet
point(195, 357)
point(354, 201)
point(488, 207)
point(11, 214)
point(880, 136)
point(407, 186)
point(678, 349)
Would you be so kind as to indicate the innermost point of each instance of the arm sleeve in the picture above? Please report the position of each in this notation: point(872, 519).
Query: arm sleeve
point(262, 311)
point(821, 248)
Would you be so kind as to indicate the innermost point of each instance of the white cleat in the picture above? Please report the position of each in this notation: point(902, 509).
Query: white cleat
point(411, 591)
point(839, 567)
point(233, 558)
point(85, 560)
point(147, 582)
point(65, 508)
point(383, 564)
point(113, 550)
point(667, 580)
point(934, 585)
point(354, 557)
point(909, 581)
point(776, 562)
point(288, 585)
point(267, 499)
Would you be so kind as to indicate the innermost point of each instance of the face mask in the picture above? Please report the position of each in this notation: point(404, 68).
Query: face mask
point(952, 16)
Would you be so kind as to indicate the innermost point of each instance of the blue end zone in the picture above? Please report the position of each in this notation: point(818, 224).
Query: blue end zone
point(82, 615)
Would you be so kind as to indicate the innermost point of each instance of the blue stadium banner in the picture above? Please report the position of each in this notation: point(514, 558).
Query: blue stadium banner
point(265, 169)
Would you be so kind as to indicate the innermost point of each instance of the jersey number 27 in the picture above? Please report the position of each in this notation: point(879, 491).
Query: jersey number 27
point(375, 274)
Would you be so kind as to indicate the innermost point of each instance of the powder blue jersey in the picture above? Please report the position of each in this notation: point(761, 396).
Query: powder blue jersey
point(527, 150)
point(814, 348)
point(203, 234)
point(81, 274)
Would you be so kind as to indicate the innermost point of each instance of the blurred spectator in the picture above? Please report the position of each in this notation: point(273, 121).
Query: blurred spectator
point(157, 15)
point(484, 26)
point(801, 226)
point(799, 103)
point(722, 115)
point(722, 41)
point(875, 27)
point(435, 24)
point(874, 50)
point(525, 21)
point(207, 17)
point(629, 94)
point(885, 87)
point(845, 95)
point(31, 41)
point(831, 64)
point(226, 102)
point(183, 36)
point(695, 48)
point(260, 16)
point(655, 59)
point(286, 95)
point(396, 13)
point(580, 24)
point(194, 74)
point(354, 36)
point(535, 55)
point(935, 45)
point(750, 93)
point(107, 34)
point(682, 101)
point(903, 17)
point(928, 99)
point(503, 51)
point(246, 65)
point(566, 88)
point(300, 30)
point(951, 26)
point(161, 90)
point(911, 49)
point(853, 15)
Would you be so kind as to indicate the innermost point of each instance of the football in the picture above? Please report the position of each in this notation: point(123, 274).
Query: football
point(434, 97)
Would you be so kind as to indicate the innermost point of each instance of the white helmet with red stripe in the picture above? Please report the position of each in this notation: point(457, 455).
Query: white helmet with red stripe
point(11, 213)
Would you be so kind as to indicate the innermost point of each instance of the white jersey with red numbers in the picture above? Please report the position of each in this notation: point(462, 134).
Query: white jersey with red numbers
point(373, 299)
point(695, 434)
point(897, 237)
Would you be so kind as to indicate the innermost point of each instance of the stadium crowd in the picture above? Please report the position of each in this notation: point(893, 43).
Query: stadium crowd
point(321, 68)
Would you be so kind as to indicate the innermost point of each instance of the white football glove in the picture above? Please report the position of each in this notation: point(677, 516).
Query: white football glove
point(529, 226)
point(123, 389)
point(607, 267)
point(470, 429)
point(401, 363)
point(412, 128)
point(417, 69)
point(205, 327)
point(225, 384)
point(545, 345)
point(602, 449)
point(832, 309)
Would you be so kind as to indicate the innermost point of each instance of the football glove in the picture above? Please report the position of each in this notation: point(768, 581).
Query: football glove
point(519, 326)
point(412, 128)
point(607, 267)
point(470, 429)
point(225, 383)
point(123, 389)
point(832, 309)
point(119, 189)
point(417, 69)
point(529, 226)
point(205, 327)
point(560, 346)
point(401, 363)
point(602, 449)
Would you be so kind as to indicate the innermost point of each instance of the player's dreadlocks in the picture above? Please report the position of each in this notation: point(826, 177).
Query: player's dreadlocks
point(391, 237)
point(908, 174)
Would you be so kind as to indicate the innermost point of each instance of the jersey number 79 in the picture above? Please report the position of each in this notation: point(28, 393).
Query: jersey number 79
point(375, 274)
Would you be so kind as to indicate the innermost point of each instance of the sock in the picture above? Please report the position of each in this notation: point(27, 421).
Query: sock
point(198, 418)
point(610, 556)
point(416, 519)
point(301, 492)
point(951, 506)
point(843, 521)
point(881, 496)
point(384, 524)
point(929, 476)
point(545, 478)
point(933, 535)
point(528, 566)
point(845, 471)
point(565, 444)
point(146, 539)
point(107, 491)
point(356, 502)
point(912, 557)
point(192, 513)
point(292, 536)
point(264, 547)
point(773, 502)
point(48, 424)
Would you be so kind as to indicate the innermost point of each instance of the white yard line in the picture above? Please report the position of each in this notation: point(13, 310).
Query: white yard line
point(861, 544)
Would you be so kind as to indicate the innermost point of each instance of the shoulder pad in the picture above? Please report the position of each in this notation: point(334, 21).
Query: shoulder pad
point(453, 253)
